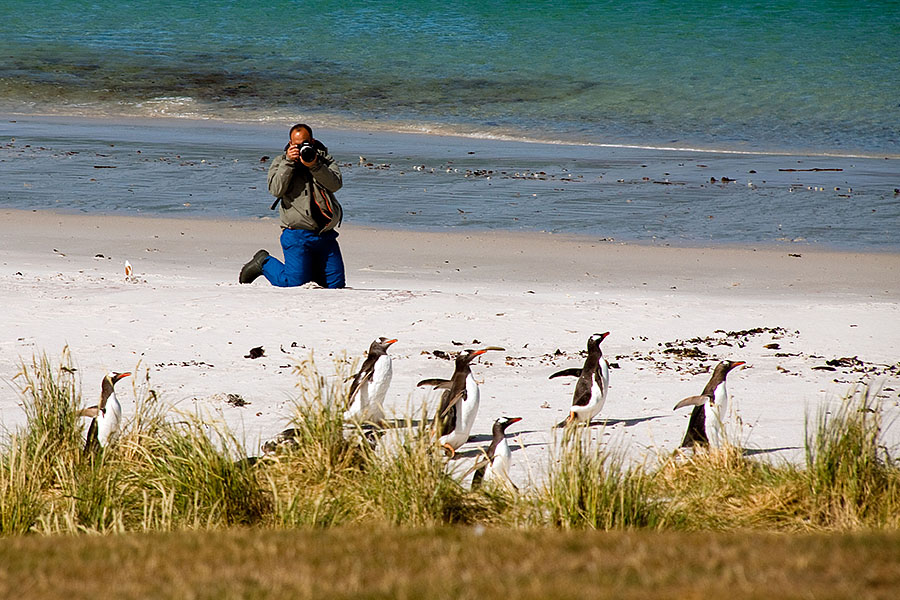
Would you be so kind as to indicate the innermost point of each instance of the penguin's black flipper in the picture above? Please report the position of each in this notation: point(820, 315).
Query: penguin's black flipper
point(479, 467)
point(358, 381)
point(366, 371)
point(693, 401)
point(573, 372)
point(90, 412)
point(92, 443)
point(696, 431)
point(478, 477)
point(436, 383)
point(451, 402)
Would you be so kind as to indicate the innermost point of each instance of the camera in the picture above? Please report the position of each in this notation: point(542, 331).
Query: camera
point(307, 152)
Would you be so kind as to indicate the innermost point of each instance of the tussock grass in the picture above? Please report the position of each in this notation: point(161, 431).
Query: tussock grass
point(852, 478)
point(198, 477)
point(722, 489)
point(406, 481)
point(170, 472)
point(51, 401)
point(22, 483)
point(592, 487)
point(337, 474)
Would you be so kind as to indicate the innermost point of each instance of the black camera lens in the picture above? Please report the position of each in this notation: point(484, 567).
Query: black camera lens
point(307, 152)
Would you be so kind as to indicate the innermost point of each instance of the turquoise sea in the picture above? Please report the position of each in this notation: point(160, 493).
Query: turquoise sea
point(813, 78)
point(807, 76)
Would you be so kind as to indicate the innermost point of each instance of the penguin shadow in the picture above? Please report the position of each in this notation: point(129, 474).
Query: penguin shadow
point(479, 438)
point(757, 451)
point(625, 422)
point(482, 439)
point(402, 423)
point(612, 422)
point(470, 453)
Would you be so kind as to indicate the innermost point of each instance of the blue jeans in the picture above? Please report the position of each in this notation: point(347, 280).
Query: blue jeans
point(308, 256)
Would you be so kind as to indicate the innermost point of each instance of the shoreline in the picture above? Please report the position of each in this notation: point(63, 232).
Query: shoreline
point(439, 130)
point(184, 321)
point(423, 182)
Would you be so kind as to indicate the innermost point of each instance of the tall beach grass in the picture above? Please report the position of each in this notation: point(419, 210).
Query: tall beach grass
point(168, 471)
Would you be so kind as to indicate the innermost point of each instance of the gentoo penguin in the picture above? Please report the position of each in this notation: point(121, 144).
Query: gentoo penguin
point(494, 466)
point(284, 441)
point(459, 403)
point(105, 416)
point(370, 385)
point(717, 396)
point(592, 385)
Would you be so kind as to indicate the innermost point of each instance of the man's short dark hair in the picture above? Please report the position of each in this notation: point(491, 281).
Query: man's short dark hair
point(301, 126)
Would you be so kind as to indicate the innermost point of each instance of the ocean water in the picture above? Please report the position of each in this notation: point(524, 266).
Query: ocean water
point(802, 76)
point(794, 107)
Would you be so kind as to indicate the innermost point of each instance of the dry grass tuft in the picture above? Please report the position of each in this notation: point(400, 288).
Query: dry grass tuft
point(169, 472)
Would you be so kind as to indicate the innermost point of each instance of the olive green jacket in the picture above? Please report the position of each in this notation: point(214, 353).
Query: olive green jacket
point(307, 194)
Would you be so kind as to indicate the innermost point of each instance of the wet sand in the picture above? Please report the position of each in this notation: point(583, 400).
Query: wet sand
point(663, 196)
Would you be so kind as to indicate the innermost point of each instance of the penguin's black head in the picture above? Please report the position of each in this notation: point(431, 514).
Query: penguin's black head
point(730, 364)
point(113, 378)
point(109, 383)
point(594, 340)
point(503, 422)
point(381, 344)
point(467, 356)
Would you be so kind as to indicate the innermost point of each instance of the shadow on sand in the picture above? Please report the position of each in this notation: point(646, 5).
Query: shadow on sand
point(756, 451)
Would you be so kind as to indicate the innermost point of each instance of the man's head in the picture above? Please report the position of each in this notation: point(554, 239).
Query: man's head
point(301, 133)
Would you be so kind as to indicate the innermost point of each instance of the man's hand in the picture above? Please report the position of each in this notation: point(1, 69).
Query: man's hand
point(293, 153)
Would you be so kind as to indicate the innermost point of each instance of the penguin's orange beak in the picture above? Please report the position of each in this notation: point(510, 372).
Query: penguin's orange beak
point(119, 376)
point(391, 342)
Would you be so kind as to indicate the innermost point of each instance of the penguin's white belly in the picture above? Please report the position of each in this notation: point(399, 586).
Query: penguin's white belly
point(469, 409)
point(356, 407)
point(598, 395)
point(454, 439)
point(719, 412)
point(499, 467)
point(368, 405)
point(466, 412)
point(108, 423)
point(377, 390)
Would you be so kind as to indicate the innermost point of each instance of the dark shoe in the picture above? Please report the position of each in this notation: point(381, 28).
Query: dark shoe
point(253, 269)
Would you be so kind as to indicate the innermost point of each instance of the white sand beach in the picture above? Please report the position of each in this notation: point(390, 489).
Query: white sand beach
point(183, 318)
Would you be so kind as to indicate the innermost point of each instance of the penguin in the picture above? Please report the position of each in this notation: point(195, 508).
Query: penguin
point(459, 402)
point(370, 385)
point(105, 416)
point(717, 396)
point(494, 466)
point(283, 442)
point(592, 385)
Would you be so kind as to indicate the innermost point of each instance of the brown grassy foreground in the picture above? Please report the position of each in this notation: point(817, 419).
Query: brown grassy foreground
point(460, 562)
